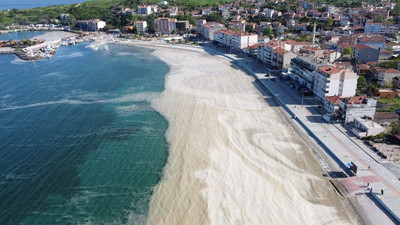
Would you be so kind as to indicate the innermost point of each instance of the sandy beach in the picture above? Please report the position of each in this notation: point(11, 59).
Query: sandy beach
point(233, 157)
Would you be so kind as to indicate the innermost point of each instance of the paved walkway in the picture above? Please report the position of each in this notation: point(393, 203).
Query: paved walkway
point(335, 140)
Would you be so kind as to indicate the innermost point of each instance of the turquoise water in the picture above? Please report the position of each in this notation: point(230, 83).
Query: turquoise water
point(79, 141)
point(24, 4)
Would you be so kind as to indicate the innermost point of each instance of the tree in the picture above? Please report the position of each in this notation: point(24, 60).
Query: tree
point(134, 18)
point(348, 51)
point(362, 82)
point(388, 85)
point(276, 32)
point(267, 32)
point(395, 128)
point(371, 89)
point(216, 17)
point(235, 29)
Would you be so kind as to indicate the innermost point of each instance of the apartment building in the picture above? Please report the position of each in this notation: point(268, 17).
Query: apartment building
point(141, 26)
point(303, 69)
point(164, 25)
point(236, 40)
point(144, 10)
point(333, 81)
point(210, 28)
point(380, 28)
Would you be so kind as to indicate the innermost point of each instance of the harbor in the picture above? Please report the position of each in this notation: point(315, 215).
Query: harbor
point(42, 46)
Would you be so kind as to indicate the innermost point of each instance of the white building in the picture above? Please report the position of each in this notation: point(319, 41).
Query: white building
point(356, 107)
point(364, 127)
point(333, 81)
point(380, 28)
point(243, 40)
point(144, 10)
point(235, 40)
point(141, 26)
point(269, 13)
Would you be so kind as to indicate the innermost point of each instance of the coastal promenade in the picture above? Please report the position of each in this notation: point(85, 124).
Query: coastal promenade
point(339, 148)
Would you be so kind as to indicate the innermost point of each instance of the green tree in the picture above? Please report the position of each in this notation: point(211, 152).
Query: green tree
point(267, 32)
point(134, 18)
point(216, 17)
point(276, 32)
point(348, 51)
point(395, 128)
point(362, 82)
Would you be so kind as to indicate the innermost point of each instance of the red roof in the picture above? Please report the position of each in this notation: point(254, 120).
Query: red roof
point(360, 47)
point(334, 99)
point(328, 70)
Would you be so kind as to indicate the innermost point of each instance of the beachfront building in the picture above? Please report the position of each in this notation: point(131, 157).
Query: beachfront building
point(364, 127)
point(165, 25)
point(182, 26)
point(235, 40)
point(210, 28)
point(354, 107)
point(141, 26)
point(242, 40)
point(282, 58)
point(303, 69)
point(90, 25)
point(333, 81)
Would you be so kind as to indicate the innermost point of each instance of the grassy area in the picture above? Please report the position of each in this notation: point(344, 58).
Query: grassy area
point(388, 104)
point(102, 9)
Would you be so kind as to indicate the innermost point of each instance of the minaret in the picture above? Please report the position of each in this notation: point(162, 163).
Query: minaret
point(313, 33)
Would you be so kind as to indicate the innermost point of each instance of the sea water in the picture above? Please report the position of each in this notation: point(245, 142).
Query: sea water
point(79, 140)
point(25, 4)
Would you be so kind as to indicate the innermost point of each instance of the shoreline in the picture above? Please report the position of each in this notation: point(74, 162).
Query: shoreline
point(202, 167)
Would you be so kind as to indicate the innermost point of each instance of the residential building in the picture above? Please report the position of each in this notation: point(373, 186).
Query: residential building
point(380, 28)
point(396, 82)
point(242, 40)
point(331, 80)
point(377, 42)
point(386, 75)
point(386, 118)
point(365, 127)
point(235, 40)
point(144, 10)
point(240, 25)
point(331, 104)
point(364, 53)
point(164, 25)
point(354, 107)
point(303, 69)
point(199, 26)
point(90, 25)
point(182, 26)
point(268, 12)
point(210, 28)
point(141, 26)
point(295, 46)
